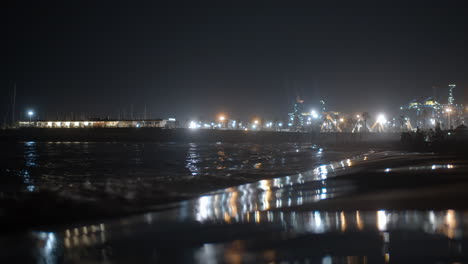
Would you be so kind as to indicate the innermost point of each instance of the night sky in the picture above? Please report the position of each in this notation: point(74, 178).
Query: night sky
point(191, 60)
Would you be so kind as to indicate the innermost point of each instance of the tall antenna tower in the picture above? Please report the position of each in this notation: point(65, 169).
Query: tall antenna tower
point(451, 99)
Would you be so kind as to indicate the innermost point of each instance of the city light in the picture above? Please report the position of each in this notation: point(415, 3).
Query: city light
point(192, 125)
point(256, 122)
point(341, 120)
point(314, 114)
point(280, 124)
point(222, 118)
point(381, 119)
point(30, 114)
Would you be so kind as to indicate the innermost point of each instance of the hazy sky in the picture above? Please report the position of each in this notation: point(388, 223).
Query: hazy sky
point(188, 60)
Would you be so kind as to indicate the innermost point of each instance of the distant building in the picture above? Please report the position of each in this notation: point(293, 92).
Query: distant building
point(100, 124)
point(427, 113)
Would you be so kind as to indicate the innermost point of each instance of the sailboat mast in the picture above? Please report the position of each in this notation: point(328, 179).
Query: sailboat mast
point(13, 105)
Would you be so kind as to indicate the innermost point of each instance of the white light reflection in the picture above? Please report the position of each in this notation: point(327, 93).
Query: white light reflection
point(204, 210)
point(349, 163)
point(193, 158)
point(48, 246)
point(381, 220)
point(322, 171)
point(327, 260)
point(30, 155)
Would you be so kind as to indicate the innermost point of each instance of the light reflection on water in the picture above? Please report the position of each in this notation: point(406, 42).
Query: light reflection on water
point(380, 231)
point(30, 157)
point(192, 159)
point(355, 236)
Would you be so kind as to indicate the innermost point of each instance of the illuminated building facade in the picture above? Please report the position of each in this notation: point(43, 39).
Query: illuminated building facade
point(296, 117)
point(428, 113)
point(99, 124)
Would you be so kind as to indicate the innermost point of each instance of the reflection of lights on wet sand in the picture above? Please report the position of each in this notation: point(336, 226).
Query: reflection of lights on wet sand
point(233, 253)
point(387, 258)
point(322, 171)
point(343, 221)
point(84, 236)
point(203, 208)
point(264, 185)
point(227, 218)
point(318, 220)
point(359, 223)
point(269, 256)
point(50, 242)
point(327, 260)
point(435, 166)
point(451, 223)
point(233, 202)
point(381, 220)
point(257, 217)
point(323, 193)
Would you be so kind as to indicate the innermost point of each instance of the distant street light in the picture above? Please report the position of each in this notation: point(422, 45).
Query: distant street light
point(30, 114)
point(381, 119)
point(314, 114)
point(449, 110)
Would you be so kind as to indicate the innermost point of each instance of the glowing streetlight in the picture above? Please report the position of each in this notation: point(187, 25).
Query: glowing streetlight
point(222, 118)
point(192, 125)
point(448, 110)
point(381, 119)
point(256, 122)
point(341, 120)
point(314, 114)
point(30, 114)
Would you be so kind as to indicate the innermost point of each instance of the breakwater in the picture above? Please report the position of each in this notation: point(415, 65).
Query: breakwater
point(189, 135)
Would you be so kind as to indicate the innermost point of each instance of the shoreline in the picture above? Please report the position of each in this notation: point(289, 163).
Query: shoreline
point(188, 135)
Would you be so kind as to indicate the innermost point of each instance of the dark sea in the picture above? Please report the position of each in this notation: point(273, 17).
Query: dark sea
point(139, 175)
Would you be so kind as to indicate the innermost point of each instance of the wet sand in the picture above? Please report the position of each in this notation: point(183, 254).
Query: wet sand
point(375, 208)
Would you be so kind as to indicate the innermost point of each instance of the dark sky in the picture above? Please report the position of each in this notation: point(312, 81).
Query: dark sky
point(190, 60)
